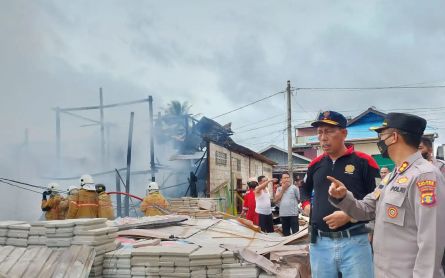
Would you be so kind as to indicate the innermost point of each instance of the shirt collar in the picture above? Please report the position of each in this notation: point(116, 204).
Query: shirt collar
point(409, 161)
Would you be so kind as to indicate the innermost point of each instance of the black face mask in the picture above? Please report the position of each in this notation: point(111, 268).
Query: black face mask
point(383, 148)
point(425, 155)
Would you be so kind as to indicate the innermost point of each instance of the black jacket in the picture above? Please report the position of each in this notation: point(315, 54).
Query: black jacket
point(356, 170)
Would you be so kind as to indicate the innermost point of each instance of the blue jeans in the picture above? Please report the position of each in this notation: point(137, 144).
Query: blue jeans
point(351, 256)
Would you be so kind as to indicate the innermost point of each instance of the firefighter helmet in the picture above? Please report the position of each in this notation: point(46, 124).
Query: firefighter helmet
point(53, 187)
point(86, 179)
point(152, 186)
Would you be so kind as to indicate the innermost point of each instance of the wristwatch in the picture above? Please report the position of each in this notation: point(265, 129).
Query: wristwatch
point(353, 220)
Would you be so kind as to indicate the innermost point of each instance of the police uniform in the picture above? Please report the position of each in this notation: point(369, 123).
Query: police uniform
point(440, 164)
point(409, 211)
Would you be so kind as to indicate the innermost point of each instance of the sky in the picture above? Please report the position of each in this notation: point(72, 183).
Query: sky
point(218, 56)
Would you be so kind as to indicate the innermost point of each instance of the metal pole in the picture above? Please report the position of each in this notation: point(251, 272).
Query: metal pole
point(289, 133)
point(102, 128)
point(152, 148)
point(127, 189)
point(118, 196)
point(58, 139)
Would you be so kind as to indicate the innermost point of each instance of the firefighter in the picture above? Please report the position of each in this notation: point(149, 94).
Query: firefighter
point(85, 204)
point(105, 204)
point(71, 194)
point(154, 202)
point(52, 206)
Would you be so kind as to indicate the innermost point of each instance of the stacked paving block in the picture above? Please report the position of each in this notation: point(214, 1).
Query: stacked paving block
point(117, 264)
point(195, 207)
point(94, 232)
point(175, 260)
point(162, 261)
point(37, 234)
point(242, 270)
point(145, 262)
point(206, 262)
point(4, 230)
point(18, 235)
point(228, 257)
point(59, 233)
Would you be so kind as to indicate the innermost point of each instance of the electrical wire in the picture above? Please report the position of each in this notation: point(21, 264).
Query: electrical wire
point(368, 88)
point(246, 105)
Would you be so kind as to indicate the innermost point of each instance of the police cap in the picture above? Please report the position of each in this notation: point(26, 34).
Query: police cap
point(404, 122)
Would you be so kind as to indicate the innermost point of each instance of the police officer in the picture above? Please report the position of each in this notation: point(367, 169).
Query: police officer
point(408, 206)
point(426, 149)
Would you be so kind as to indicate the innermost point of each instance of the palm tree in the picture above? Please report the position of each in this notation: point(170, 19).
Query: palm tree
point(176, 108)
point(171, 126)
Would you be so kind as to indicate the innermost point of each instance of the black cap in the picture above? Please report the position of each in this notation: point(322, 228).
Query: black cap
point(331, 118)
point(405, 122)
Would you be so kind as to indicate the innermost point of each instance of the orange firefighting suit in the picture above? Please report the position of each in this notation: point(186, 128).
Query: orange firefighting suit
point(105, 206)
point(151, 202)
point(84, 205)
point(52, 207)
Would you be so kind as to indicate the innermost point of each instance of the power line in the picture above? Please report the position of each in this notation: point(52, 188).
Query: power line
point(261, 136)
point(261, 120)
point(369, 88)
point(260, 127)
point(244, 106)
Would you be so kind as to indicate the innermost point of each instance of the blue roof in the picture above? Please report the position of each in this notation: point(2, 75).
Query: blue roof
point(360, 129)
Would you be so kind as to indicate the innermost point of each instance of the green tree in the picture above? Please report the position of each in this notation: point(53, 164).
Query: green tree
point(176, 108)
point(172, 125)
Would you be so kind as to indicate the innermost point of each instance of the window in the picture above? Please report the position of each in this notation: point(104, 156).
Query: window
point(221, 158)
point(238, 164)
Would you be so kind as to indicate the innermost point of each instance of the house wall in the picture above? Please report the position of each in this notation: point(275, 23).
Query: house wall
point(306, 131)
point(281, 157)
point(368, 148)
point(220, 174)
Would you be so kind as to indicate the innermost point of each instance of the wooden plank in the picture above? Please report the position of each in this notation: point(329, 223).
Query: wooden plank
point(77, 267)
point(39, 261)
point(22, 264)
point(303, 232)
point(9, 262)
point(88, 264)
point(50, 265)
point(5, 251)
point(68, 257)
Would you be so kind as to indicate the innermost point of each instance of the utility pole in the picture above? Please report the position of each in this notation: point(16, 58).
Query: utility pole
point(102, 128)
point(118, 196)
point(58, 140)
point(127, 189)
point(152, 148)
point(289, 133)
